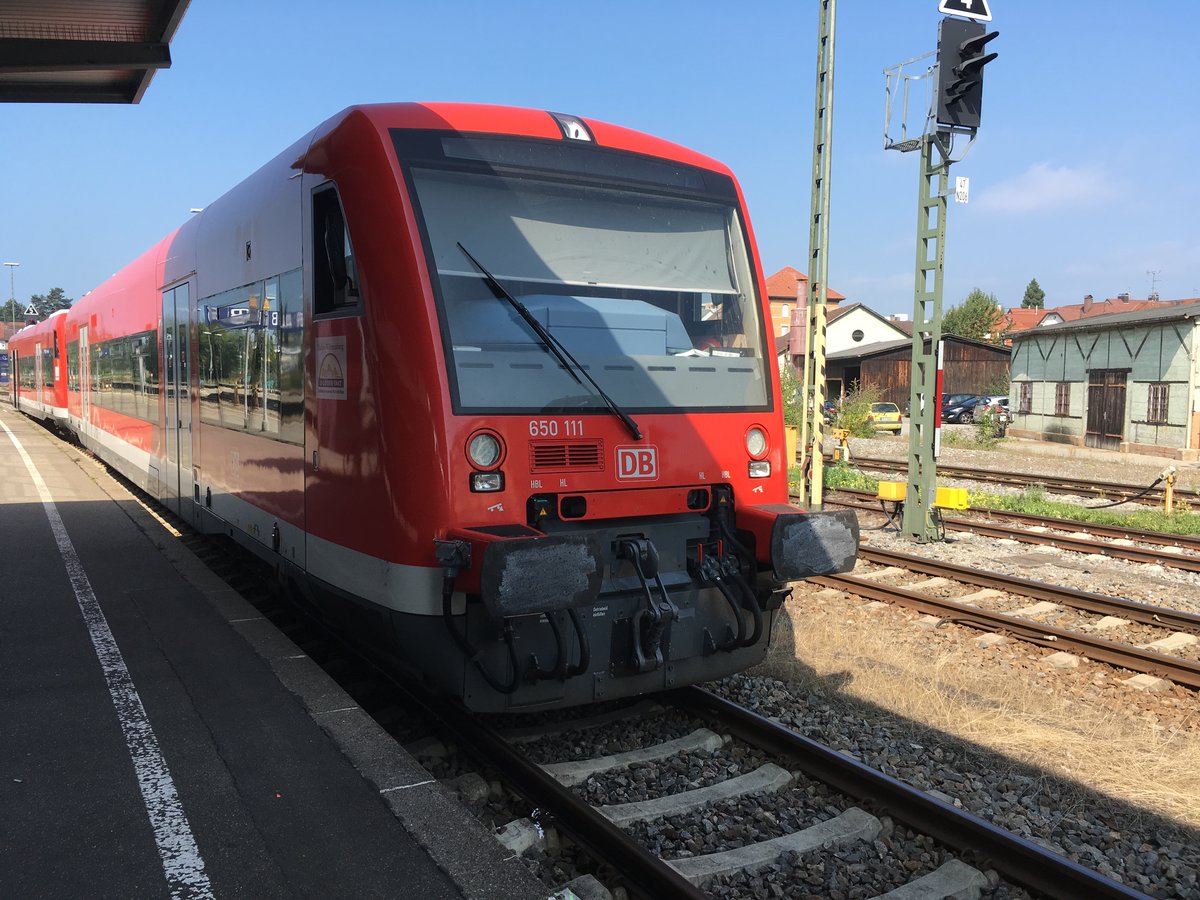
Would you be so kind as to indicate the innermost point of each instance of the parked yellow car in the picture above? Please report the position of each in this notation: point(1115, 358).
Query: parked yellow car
point(884, 417)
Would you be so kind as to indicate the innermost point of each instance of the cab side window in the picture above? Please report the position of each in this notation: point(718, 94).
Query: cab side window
point(335, 276)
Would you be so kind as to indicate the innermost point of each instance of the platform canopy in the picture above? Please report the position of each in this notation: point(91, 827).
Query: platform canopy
point(84, 51)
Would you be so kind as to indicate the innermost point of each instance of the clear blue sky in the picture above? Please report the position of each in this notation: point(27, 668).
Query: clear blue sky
point(1083, 176)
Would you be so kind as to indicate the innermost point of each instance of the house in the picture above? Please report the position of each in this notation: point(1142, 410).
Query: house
point(1122, 303)
point(1021, 319)
point(850, 326)
point(1127, 381)
point(783, 289)
point(857, 325)
point(968, 366)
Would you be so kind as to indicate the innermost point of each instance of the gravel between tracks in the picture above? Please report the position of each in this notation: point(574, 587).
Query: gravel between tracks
point(1152, 854)
point(1153, 584)
point(1035, 787)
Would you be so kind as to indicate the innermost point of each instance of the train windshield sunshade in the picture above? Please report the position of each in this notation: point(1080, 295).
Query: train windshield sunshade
point(652, 292)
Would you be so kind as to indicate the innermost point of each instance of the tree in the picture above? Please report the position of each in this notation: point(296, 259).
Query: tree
point(979, 317)
point(50, 302)
point(1035, 297)
point(12, 311)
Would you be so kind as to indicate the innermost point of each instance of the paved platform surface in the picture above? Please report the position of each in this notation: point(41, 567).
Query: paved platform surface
point(158, 738)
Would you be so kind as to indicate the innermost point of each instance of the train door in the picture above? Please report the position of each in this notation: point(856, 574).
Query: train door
point(176, 387)
point(85, 382)
point(14, 378)
point(37, 374)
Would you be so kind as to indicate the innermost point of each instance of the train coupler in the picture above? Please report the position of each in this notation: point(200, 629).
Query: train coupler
point(650, 622)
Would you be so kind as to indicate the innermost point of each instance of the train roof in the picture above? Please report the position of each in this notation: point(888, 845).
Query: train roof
point(174, 257)
point(479, 118)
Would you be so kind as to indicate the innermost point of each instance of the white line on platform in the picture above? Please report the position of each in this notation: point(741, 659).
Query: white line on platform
point(405, 787)
point(181, 860)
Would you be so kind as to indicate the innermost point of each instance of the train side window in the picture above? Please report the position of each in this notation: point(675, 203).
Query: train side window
point(72, 365)
point(335, 276)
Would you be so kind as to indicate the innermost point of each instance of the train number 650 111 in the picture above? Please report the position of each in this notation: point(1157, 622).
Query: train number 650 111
point(553, 428)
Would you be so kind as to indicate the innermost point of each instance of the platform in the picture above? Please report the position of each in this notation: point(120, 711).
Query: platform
point(159, 738)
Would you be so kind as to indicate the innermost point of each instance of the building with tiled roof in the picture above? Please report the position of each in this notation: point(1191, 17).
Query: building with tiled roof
point(783, 289)
point(1122, 380)
point(1122, 303)
point(1019, 319)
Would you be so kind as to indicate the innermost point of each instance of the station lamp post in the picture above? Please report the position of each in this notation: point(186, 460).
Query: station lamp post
point(12, 296)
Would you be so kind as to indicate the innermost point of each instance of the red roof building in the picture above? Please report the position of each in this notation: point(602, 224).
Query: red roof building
point(1020, 319)
point(1024, 319)
point(783, 289)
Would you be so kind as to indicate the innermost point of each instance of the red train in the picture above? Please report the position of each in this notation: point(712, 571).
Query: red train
point(38, 377)
point(496, 384)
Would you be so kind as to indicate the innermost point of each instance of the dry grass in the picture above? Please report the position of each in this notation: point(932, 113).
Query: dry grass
point(955, 688)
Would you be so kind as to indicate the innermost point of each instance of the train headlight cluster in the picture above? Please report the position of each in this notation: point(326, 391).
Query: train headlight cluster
point(757, 446)
point(485, 450)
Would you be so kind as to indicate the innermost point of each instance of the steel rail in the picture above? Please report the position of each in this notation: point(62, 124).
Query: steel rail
point(1056, 483)
point(1134, 554)
point(1158, 538)
point(1076, 545)
point(1143, 613)
point(1126, 656)
point(648, 875)
point(1118, 532)
point(1021, 861)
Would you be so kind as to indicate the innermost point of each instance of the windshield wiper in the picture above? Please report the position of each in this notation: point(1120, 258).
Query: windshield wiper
point(555, 346)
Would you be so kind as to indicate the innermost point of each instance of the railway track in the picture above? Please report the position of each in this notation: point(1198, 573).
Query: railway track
point(1040, 531)
point(605, 829)
point(1152, 657)
point(1081, 487)
point(606, 833)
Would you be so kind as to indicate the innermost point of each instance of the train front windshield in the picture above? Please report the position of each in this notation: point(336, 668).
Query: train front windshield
point(643, 276)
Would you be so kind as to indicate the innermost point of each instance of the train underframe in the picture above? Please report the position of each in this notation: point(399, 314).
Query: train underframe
point(580, 612)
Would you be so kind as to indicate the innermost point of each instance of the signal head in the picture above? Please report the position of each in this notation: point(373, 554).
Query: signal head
point(960, 71)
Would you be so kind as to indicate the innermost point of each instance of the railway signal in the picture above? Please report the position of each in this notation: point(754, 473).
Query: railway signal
point(961, 59)
point(953, 111)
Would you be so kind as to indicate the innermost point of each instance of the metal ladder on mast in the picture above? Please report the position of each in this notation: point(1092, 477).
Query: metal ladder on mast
point(811, 460)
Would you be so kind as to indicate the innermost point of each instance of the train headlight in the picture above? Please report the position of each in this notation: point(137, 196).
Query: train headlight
point(760, 468)
point(485, 450)
point(756, 442)
point(487, 481)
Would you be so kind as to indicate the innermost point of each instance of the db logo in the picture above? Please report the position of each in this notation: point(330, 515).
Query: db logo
point(637, 462)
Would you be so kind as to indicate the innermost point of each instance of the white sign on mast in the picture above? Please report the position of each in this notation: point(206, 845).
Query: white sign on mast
point(970, 9)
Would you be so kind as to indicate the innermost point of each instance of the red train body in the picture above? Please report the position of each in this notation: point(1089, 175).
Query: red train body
point(38, 376)
point(497, 381)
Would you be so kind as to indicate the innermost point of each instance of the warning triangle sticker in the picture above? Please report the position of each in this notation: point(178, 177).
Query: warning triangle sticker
point(971, 9)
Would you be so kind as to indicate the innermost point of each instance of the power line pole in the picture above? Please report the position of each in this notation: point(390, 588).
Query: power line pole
point(12, 294)
point(818, 263)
